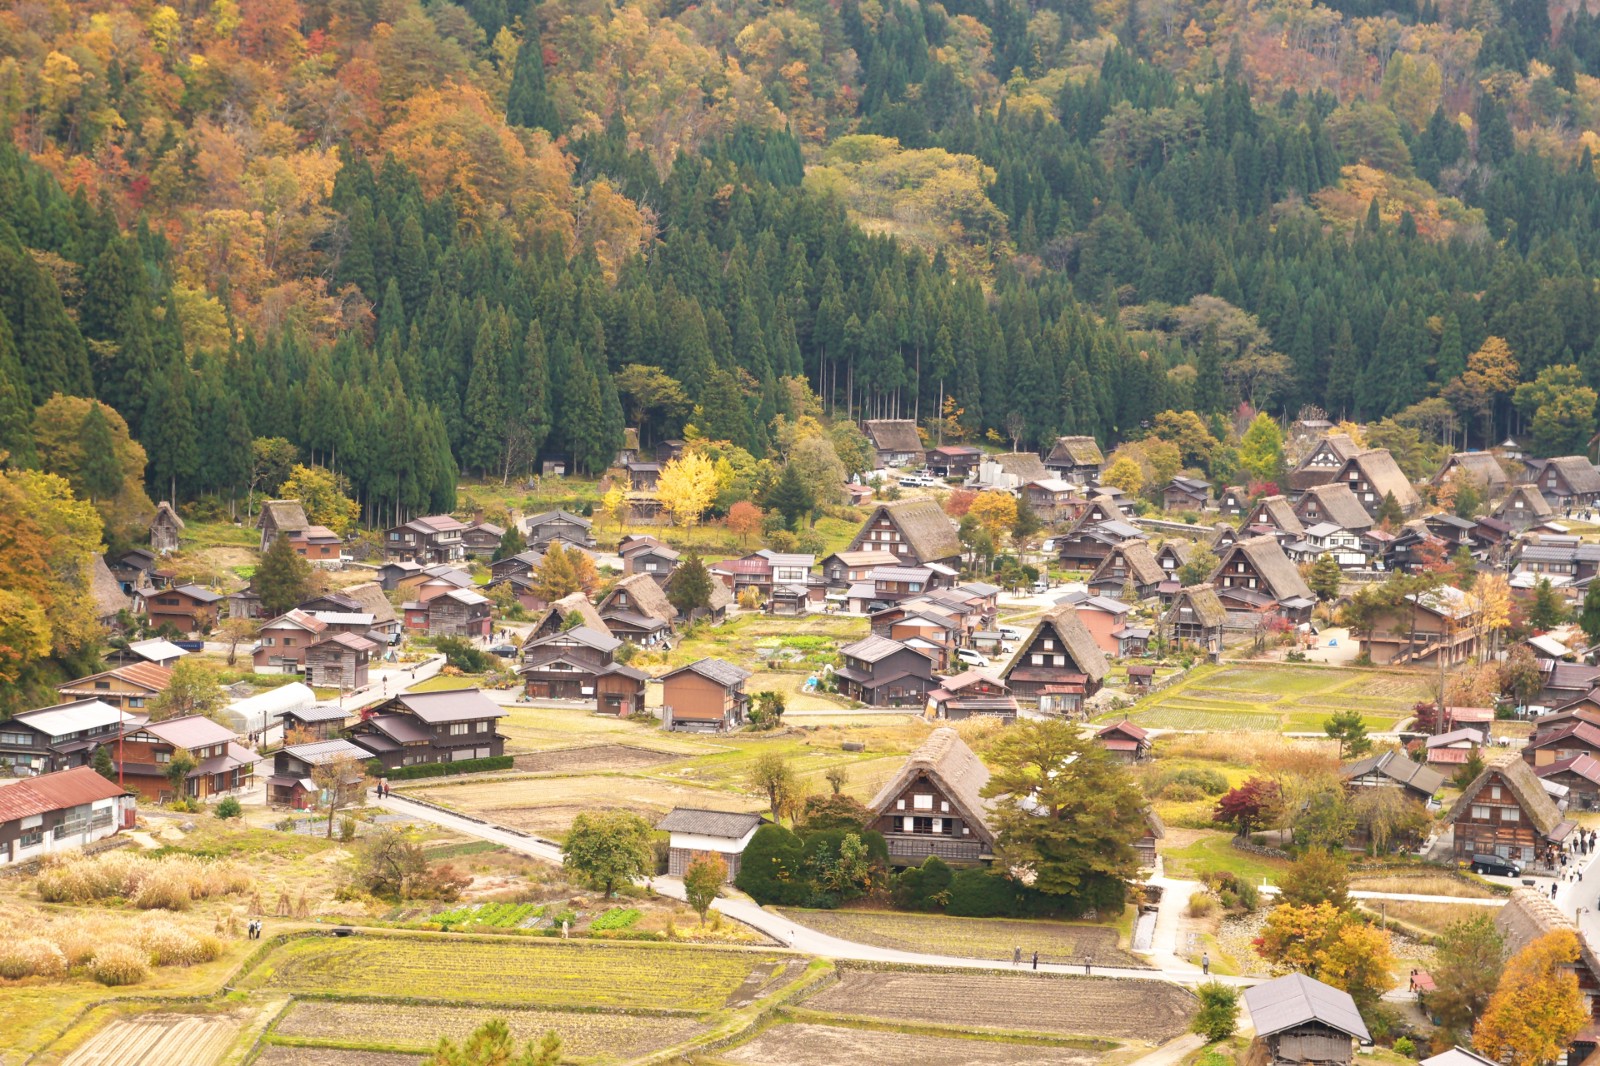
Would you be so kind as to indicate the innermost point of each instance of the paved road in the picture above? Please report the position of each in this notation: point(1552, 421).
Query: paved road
point(799, 937)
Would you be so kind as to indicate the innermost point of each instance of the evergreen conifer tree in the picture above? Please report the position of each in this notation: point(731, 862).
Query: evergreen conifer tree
point(528, 103)
point(100, 475)
point(283, 579)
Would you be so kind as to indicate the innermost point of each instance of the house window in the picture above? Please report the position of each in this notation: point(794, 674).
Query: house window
point(922, 803)
point(1481, 813)
point(458, 728)
point(1036, 660)
point(899, 804)
point(101, 686)
point(21, 740)
point(163, 756)
point(1494, 792)
point(483, 727)
point(921, 825)
point(1510, 814)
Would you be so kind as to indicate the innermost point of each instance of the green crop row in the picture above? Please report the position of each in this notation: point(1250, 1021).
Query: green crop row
point(615, 918)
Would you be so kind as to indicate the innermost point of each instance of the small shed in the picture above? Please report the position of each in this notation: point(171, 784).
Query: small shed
point(1298, 1020)
point(693, 831)
point(164, 529)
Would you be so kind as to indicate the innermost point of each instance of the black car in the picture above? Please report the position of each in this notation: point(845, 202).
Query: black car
point(1495, 866)
point(505, 651)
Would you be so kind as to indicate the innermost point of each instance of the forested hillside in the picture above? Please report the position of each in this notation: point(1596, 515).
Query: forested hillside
point(418, 240)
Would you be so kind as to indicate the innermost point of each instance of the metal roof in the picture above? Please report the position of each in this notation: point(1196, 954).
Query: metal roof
point(190, 731)
point(323, 751)
point(729, 824)
point(1297, 999)
point(723, 673)
point(64, 718)
point(55, 792)
point(322, 712)
point(455, 705)
point(156, 651)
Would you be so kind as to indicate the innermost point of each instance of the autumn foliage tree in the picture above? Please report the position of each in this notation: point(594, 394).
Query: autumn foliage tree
point(1537, 1008)
point(1247, 806)
point(744, 520)
point(564, 571)
point(687, 486)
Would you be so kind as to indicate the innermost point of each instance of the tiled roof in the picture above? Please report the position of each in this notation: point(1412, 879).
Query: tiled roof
point(692, 820)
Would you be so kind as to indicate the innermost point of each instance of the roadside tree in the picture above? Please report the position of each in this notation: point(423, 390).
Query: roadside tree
point(608, 848)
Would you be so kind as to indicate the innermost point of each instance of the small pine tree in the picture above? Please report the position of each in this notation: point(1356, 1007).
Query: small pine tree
point(1389, 512)
point(1547, 610)
point(790, 497)
point(528, 102)
point(103, 764)
point(1325, 577)
point(689, 587)
point(511, 543)
point(283, 579)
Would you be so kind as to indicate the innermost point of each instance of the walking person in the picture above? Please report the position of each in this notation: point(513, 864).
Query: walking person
point(1035, 960)
point(1016, 956)
point(1205, 964)
point(1088, 964)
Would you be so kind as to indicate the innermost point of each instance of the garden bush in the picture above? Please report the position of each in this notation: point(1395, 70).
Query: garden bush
point(925, 887)
point(229, 808)
point(119, 964)
point(462, 655)
point(770, 871)
point(440, 769)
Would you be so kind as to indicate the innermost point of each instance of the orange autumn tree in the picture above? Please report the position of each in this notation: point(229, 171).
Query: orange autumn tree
point(1537, 1009)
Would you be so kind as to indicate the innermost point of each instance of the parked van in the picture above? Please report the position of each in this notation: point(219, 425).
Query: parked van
point(1495, 866)
point(970, 657)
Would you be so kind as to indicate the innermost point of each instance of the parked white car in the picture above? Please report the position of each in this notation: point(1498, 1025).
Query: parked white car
point(916, 481)
point(970, 657)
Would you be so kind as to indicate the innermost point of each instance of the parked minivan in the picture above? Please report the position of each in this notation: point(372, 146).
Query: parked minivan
point(970, 657)
point(1495, 866)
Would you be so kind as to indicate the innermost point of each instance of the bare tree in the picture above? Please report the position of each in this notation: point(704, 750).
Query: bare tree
point(344, 779)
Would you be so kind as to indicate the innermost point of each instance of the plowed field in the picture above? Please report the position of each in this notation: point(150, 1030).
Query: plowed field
point(159, 1040)
point(1080, 1006)
point(831, 1045)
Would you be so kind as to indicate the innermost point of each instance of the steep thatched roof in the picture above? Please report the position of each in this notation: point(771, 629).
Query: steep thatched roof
point(1337, 504)
point(1024, 466)
point(1203, 601)
point(369, 595)
point(1076, 451)
point(287, 515)
point(1532, 503)
point(924, 525)
point(1138, 560)
point(165, 509)
point(1528, 915)
point(1508, 769)
point(1578, 472)
point(1075, 639)
point(893, 434)
point(1274, 511)
point(645, 596)
point(1482, 468)
point(567, 605)
point(108, 595)
point(1265, 556)
point(1378, 469)
point(959, 774)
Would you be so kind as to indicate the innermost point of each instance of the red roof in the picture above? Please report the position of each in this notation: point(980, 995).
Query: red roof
point(54, 792)
point(1127, 729)
point(1449, 755)
point(1119, 744)
point(1422, 981)
point(1469, 714)
point(1585, 766)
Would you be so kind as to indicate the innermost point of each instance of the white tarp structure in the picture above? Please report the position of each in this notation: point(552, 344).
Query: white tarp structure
point(260, 712)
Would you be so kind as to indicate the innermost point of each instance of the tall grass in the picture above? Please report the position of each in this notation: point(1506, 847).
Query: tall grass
point(170, 884)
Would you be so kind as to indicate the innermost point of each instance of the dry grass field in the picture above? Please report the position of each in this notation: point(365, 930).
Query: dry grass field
point(549, 804)
point(281, 1055)
point(170, 1039)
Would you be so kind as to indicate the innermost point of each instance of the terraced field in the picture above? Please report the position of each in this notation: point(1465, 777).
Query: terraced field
point(1281, 698)
point(548, 804)
point(522, 973)
point(584, 1034)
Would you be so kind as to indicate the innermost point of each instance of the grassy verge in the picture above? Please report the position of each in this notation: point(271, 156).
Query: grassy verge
point(1213, 852)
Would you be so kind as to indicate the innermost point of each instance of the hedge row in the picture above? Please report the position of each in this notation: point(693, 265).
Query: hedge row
point(442, 769)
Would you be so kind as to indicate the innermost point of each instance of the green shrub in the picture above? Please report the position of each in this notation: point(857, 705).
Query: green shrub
point(1218, 1016)
point(1405, 1046)
point(462, 655)
point(347, 829)
point(229, 808)
point(925, 887)
point(769, 871)
point(445, 769)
